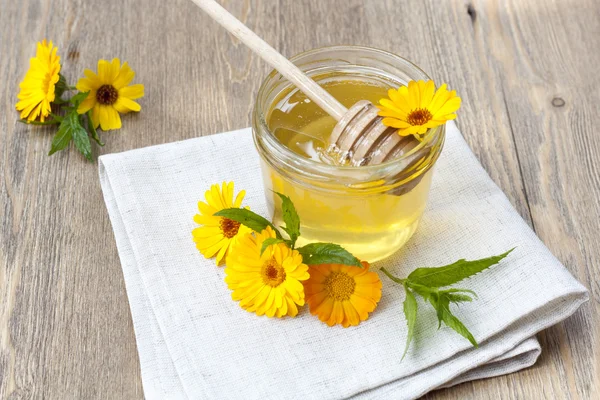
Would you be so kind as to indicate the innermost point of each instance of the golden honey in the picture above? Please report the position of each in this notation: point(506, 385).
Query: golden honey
point(372, 211)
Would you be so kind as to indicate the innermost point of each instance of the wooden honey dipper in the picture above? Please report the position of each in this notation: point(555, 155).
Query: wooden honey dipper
point(359, 138)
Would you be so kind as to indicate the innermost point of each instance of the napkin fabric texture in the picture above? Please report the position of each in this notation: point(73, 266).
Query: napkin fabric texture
point(195, 342)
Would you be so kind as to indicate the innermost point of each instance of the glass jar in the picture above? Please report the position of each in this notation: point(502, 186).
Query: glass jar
point(371, 210)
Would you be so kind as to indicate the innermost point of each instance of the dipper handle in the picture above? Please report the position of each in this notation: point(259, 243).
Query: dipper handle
point(285, 67)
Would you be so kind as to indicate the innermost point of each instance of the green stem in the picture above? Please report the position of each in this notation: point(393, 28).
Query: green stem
point(24, 121)
point(392, 277)
point(72, 87)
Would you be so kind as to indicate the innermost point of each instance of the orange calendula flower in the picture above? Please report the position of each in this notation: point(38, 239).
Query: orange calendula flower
point(342, 294)
point(216, 234)
point(109, 93)
point(415, 108)
point(38, 86)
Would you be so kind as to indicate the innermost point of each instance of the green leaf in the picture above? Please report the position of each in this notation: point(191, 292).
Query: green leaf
point(327, 253)
point(455, 272)
point(71, 128)
point(269, 242)
point(290, 217)
point(435, 299)
point(248, 218)
point(57, 117)
point(458, 298)
point(422, 290)
point(61, 140)
point(443, 309)
point(80, 136)
point(410, 312)
point(92, 130)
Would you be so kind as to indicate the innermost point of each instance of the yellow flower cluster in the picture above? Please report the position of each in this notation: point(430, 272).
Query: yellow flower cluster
point(102, 97)
point(276, 282)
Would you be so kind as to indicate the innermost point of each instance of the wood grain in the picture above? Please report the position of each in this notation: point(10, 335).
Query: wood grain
point(527, 73)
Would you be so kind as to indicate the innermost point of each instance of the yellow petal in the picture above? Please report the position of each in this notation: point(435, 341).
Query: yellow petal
point(395, 123)
point(88, 103)
point(427, 94)
point(104, 72)
point(133, 91)
point(414, 96)
point(92, 78)
point(124, 77)
point(449, 107)
point(96, 116)
point(113, 70)
point(125, 105)
point(86, 85)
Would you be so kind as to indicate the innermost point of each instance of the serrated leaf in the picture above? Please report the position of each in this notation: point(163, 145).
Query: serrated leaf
point(290, 217)
point(92, 130)
point(248, 218)
point(269, 242)
point(421, 290)
point(442, 307)
point(410, 312)
point(459, 290)
point(80, 136)
point(458, 298)
point(327, 253)
point(435, 299)
point(61, 140)
point(452, 273)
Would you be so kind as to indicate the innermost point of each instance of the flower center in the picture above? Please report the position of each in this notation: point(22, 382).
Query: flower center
point(107, 95)
point(420, 116)
point(229, 227)
point(272, 273)
point(340, 286)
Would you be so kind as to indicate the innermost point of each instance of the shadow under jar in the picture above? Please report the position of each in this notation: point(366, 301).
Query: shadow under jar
point(370, 210)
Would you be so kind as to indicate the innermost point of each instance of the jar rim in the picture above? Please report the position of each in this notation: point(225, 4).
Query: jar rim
point(260, 118)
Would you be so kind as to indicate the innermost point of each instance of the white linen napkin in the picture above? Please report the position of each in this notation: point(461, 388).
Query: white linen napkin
point(195, 342)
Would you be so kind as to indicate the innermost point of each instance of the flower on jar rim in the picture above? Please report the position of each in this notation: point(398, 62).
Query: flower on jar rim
point(342, 294)
point(37, 90)
point(415, 108)
point(109, 94)
point(216, 234)
point(269, 283)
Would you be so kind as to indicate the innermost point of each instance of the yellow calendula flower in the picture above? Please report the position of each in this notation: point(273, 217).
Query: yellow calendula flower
point(342, 294)
point(38, 86)
point(267, 284)
point(109, 94)
point(415, 108)
point(217, 234)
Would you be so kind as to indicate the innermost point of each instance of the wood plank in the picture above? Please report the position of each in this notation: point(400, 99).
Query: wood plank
point(526, 72)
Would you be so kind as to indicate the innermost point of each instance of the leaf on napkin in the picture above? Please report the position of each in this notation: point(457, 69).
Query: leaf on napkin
point(441, 304)
point(410, 312)
point(247, 218)
point(290, 217)
point(327, 253)
point(426, 282)
point(452, 273)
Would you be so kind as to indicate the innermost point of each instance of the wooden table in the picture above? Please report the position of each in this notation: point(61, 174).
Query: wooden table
point(527, 71)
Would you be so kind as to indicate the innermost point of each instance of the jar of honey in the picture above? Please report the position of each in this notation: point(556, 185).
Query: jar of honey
point(371, 210)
